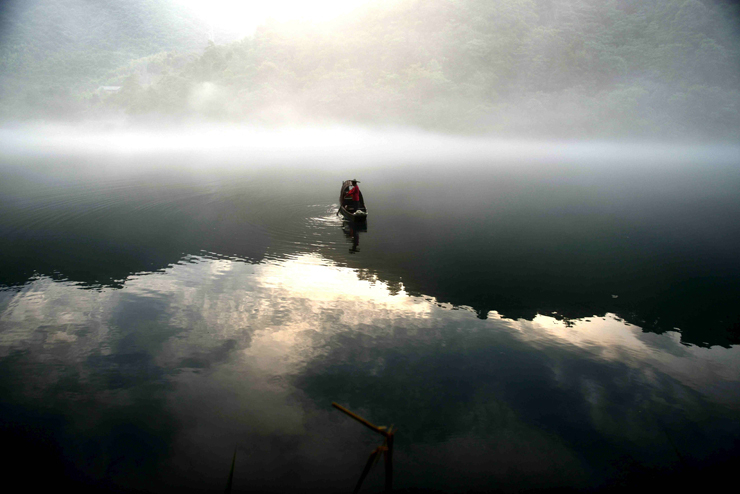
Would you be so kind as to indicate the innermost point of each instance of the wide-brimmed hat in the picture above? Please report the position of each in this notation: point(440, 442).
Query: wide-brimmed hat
point(355, 181)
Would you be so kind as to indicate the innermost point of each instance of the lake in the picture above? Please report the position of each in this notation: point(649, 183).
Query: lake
point(527, 315)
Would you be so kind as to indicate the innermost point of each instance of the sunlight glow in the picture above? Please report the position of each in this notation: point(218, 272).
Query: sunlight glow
point(246, 15)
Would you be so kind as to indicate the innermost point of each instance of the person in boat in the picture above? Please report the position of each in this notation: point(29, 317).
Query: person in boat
point(354, 194)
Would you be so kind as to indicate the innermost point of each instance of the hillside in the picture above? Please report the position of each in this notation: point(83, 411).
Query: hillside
point(51, 52)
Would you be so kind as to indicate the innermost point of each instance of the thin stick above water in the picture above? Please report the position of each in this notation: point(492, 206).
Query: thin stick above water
point(364, 422)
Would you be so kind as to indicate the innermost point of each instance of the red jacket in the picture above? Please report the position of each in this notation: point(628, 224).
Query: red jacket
point(354, 192)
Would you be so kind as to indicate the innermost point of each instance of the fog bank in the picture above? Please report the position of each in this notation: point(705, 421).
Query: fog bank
point(219, 145)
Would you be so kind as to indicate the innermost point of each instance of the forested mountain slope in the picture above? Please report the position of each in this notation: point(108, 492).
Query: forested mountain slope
point(545, 67)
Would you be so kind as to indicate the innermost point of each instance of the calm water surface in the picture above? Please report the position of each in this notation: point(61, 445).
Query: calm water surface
point(531, 319)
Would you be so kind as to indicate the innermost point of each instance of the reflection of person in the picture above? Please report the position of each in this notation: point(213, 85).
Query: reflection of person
point(354, 194)
point(355, 240)
point(350, 231)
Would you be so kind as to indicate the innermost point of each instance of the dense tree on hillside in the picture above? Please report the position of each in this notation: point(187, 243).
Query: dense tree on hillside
point(71, 46)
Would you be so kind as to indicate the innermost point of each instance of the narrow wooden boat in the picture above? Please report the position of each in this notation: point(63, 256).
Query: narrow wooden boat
point(345, 204)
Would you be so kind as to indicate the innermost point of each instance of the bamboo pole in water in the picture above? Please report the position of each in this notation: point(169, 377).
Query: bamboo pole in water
point(386, 448)
point(379, 430)
point(231, 473)
point(389, 462)
point(373, 458)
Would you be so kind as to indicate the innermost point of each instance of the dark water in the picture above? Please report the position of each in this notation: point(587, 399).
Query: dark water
point(527, 319)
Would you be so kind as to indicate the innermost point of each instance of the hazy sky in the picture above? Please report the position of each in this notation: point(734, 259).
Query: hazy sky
point(246, 15)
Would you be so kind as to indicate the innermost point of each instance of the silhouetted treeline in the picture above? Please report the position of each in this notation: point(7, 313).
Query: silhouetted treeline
point(558, 67)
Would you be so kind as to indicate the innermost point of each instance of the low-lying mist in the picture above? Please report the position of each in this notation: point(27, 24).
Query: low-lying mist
point(352, 148)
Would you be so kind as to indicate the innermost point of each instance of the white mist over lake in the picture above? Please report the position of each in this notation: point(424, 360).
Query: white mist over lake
point(349, 146)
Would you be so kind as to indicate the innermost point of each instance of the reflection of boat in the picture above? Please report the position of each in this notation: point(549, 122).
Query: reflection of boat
point(352, 231)
point(345, 204)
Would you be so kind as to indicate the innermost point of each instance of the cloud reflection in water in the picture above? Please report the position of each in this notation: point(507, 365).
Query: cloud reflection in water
point(213, 352)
